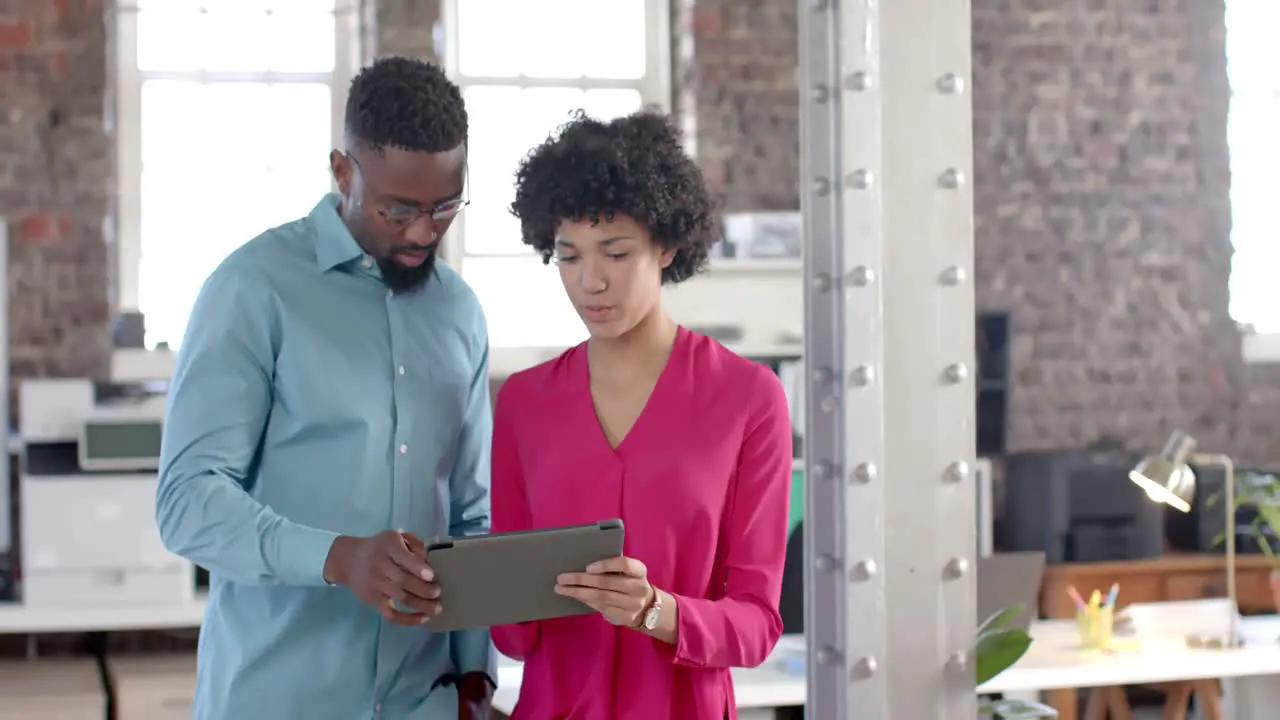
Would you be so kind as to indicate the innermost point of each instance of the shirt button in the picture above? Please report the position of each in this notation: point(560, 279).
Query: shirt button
point(366, 262)
point(400, 369)
point(404, 449)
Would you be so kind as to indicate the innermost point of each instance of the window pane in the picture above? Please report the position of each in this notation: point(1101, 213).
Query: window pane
point(184, 235)
point(302, 40)
point(172, 116)
point(189, 123)
point(237, 36)
point(298, 124)
point(498, 144)
point(182, 241)
point(1252, 54)
point(524, 302)
point(1255, 151)
point(552, 38)
point(171, 40)
point(292, 194)
point(182, 245)
point(1252, 290)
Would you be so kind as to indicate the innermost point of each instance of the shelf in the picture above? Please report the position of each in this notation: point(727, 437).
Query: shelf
point(16, 618)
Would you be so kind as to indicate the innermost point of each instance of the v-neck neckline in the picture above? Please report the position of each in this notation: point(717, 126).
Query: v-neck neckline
point(655, 396)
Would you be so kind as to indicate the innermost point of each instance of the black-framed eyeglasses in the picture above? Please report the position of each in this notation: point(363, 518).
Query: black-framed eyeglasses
point(402, 216)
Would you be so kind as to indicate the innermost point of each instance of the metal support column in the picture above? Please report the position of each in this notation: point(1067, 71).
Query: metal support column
point(886, 145)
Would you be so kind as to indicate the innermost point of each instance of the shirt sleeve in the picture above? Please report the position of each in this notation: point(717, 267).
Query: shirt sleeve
point(741, 628)
point(219, 401)
point(469, 498)
point(510, 511)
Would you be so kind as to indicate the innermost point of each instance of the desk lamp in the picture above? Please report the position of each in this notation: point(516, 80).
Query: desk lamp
point(1167, 479)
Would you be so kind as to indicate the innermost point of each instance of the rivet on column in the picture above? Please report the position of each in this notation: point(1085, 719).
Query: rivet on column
point(858, 82)
point(863, 571)
point(956, 472)
point(828, 656)
point(860, 179)
point(862, 276)
point(951, 179)
point(956, 373)
point(951, 84)
point(865, 668)
point(863, 473)
point(862, 376)
point(956, 568)
point(823, 470)
point(953, 276)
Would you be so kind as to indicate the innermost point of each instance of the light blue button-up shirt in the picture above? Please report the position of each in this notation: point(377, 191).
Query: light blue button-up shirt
point(310, 402)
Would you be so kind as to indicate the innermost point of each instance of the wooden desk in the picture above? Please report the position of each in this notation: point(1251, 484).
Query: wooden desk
point(1172, 577)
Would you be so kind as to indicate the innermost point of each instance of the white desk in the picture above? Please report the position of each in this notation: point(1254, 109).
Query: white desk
point(1053, 662)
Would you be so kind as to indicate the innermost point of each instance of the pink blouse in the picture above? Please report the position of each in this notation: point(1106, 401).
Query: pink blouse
point(702, 483)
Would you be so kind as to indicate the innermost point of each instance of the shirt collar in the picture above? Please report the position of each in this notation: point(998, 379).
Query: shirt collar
point(334, 243)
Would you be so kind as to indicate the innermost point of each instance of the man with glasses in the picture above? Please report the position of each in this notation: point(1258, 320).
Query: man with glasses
point(329, 410)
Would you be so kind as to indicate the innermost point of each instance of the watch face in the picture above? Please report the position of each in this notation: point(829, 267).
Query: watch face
point(651, 619)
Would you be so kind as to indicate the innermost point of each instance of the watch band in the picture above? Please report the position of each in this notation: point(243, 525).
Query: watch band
point(652, 615)
point(654, 601)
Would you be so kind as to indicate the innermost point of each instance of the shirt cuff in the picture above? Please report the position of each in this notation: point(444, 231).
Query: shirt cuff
point(300, 554)
point(473, 653)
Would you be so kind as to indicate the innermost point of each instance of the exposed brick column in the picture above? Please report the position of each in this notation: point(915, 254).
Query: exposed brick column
point(403, 27)
point(736, 88)
point(55, 169)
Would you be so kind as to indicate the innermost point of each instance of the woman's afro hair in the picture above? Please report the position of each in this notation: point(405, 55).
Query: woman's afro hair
point(633, 166)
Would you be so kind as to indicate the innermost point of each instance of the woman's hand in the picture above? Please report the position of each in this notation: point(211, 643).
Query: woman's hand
point(617, 588)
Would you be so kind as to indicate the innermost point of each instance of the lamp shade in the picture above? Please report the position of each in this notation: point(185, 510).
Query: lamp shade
point(1165, 477)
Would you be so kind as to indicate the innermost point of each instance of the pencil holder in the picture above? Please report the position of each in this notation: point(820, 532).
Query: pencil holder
point(1095, 627)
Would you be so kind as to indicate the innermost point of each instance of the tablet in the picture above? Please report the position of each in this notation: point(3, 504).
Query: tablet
point(511, 577)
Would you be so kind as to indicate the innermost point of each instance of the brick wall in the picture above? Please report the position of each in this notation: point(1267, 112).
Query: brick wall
point(55, 170)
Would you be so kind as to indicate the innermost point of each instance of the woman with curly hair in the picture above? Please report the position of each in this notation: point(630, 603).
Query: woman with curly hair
point(687, 442)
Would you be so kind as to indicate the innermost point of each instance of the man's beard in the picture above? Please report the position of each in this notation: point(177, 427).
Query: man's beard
point(402, 280)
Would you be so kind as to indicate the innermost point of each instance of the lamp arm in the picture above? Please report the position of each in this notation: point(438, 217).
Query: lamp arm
point(1229, 472)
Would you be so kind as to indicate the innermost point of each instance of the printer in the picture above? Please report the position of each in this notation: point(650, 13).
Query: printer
point(87, 484)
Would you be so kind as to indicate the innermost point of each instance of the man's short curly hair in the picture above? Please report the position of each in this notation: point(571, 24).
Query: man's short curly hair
point(405, 103)
point(633, 166)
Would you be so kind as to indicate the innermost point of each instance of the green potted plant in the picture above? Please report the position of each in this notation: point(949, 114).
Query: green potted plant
point(1260, 491)
point(997, 648)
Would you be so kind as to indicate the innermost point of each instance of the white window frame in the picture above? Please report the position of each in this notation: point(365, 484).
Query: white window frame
point(655, 88)
point(128, 126)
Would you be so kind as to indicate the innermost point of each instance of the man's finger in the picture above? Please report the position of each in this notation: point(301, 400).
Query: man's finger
point(395, 592)
point(397, 617)
point(418, 588)
point(392, 614)
point(410, 562)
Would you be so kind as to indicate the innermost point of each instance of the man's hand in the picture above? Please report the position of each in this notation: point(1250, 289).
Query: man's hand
point(474, 694)
point(388, 572)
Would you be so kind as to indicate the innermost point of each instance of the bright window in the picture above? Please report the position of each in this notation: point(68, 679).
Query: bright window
point(227, 111)
point(521, 78)
point(1252, 59)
